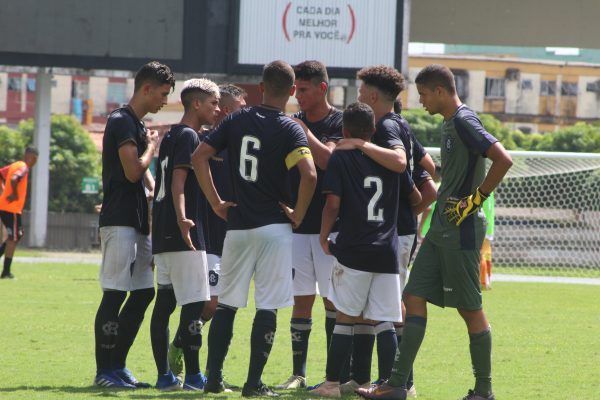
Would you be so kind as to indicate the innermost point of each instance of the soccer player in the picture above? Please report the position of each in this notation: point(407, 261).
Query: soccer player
point(446, 270)
point(232, 99)
point(177, 238)
point(365, 281)
point(312, 267)
point(13, 179)
point(262, 145)
point(128, 148)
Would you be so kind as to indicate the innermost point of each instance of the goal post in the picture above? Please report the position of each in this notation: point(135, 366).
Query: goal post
point(547, 215)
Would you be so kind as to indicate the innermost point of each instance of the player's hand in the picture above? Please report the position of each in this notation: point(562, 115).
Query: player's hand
point(457, 210)
point(349, 144)
point(184, 226)
point(325, 245)
point(222, 208)
point(152, 136)
point(294, 218)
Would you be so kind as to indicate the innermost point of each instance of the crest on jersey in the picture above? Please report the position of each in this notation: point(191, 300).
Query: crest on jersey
point(449, 143)
point(213, 278)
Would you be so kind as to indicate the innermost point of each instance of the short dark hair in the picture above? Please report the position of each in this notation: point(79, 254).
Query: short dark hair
point(312, 70)
point(231, 91)
point(386, 79)
point(435, 75)
point(359, 120)
point(278, 78)
point(155, 73)
point(197, 89)
point(32, 150)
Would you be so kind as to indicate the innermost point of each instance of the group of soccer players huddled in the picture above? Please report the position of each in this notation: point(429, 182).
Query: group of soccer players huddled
point(320, 202)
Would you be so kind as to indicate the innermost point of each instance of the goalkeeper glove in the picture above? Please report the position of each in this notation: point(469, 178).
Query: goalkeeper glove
point(457, 210)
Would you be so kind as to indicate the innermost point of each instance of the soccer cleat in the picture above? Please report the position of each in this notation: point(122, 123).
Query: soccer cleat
point(474, 396)
point(293, 382)
point(230, 386)
point(168, 382)
point(382, 392)
point(110, 380)
point(175, 357)
point(313, 387)
point(128, 377)
point(410, 393)
point(258, 391)
point(194, 382)
point(327, 389)
point(216, 387)
point(7, 276)
point(351, 386)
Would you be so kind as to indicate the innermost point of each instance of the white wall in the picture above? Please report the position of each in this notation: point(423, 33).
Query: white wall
point(61, 94)
point(98, 93)
point(587, 102)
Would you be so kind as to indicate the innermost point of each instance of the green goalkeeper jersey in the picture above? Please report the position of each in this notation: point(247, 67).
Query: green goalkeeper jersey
point(464, 143)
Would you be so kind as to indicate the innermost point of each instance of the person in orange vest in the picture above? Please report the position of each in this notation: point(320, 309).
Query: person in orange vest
point(13, 180)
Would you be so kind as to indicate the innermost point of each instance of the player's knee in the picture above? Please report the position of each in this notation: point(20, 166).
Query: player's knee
point(142, 297)
point(266, 318)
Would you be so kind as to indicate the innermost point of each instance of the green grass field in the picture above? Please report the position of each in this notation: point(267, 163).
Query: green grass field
point(546, 342)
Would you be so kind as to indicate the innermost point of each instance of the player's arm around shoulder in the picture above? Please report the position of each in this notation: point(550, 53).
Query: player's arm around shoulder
point(392, 159)
point(501, 163)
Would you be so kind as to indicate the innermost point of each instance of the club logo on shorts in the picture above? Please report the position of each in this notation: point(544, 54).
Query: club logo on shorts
point(110, 328)
point(195, 328)
point(213, 278)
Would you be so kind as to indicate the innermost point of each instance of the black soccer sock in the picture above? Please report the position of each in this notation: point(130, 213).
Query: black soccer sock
point(7, 263)
point(362, 353)
point(106, 327)
point(414, 332)
point(177, 339)
point(386, 348)
point(481, 358)
point(329, 325)
point(339, 351)
point(159, 326)
point(261, 342)
point(300, 329)
point(411, 380)
point(219, 338)
point(2, 248)
point(190, 327)
point(130, 320)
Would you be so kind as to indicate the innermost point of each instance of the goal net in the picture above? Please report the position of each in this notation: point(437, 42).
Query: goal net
point(547, 215)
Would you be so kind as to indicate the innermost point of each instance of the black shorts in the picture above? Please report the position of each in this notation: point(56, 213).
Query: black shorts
point(13, 224)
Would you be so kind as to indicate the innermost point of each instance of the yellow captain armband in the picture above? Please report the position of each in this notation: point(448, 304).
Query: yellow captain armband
point(296, 155)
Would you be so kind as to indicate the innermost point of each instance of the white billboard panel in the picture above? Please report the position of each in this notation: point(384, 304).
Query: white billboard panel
point(343, 34)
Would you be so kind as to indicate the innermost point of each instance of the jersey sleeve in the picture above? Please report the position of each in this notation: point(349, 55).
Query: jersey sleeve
point(388, 135)
point(186, 144)
point(332, 181)
point(217, 138)
point(123, 130)
point(420, 176)
point(297, 145)
point(472, 133)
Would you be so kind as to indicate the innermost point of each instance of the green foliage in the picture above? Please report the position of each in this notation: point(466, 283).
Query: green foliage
point(581, 137)
point(72, 157)
point(12, 145)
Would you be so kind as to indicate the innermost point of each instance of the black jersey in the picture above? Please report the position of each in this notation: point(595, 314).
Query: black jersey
point(262, 145)
point(213, 225)
point(176, 151)
point(367, 238)
point(124, 202)
point(326, 130)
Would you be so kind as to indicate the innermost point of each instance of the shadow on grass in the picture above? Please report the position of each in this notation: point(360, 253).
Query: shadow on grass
point(142, 393)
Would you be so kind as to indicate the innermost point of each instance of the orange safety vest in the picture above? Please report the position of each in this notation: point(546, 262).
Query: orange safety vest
point(17, 205)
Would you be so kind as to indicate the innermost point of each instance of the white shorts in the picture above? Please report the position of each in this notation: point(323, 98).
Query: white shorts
point(126, 259)
point(266, 253)
point(187, 272)
point(376, 296)
point(312, 267)
point(214, 272)
point(405, 244)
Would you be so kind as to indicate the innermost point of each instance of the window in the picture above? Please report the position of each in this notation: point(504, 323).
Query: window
point(593, 87)
point(494, 87)
point(526, 84)
point(14, 84)
point(568, 89)
point(116, 93)
point(548, 88)
point(31, 84)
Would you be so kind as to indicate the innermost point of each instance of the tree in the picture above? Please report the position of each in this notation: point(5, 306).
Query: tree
point(72, 157)
point(12, 145)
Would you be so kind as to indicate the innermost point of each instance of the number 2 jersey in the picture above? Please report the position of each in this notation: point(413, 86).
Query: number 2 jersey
point(262, 145)
point(367, 238)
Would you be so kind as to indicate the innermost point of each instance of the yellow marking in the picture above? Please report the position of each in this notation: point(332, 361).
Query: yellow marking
point(296, 155)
